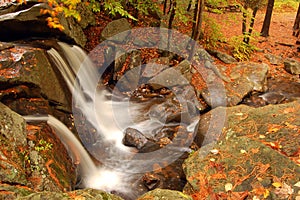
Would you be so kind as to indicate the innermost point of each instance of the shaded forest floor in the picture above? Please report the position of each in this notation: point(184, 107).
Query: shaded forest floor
point(280, 41)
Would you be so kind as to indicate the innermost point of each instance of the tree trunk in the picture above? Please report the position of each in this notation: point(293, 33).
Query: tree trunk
point(297, 23)
point(196, 31)
point(247, 36)
point(196, 19)
point(170, 23)
point(165, 7)
point(267, 21)
point(189, 6)
point(244, 23)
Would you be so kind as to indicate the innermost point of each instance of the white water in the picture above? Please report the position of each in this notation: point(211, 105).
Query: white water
point(121, 166)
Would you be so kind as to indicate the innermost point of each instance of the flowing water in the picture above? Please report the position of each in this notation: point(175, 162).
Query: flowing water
point(108, 117)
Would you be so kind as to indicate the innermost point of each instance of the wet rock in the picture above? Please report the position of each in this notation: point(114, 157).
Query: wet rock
point(25, 21)
point(272, 98)
point(48, 165)
point(117, 31)
point(164, 194)
point(32, 156)
point(30, 67)
point(127, 70)
point(280, 90)
point(151, 181)
point(222, 56)
point(292, 66)
point(242, 166)
point(134, 138)
point(282, 86)
point(29, 106)
point(274, 60)
point(166, 112)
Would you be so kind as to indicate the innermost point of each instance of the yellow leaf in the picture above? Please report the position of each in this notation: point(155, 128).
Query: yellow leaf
point(277, 184)
point(266, 193)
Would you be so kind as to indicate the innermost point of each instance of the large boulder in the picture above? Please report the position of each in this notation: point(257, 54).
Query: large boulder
point(26, 21)
point(240, 167)
point(32, 156)
point(117, 31)
point(253, 153)
point(29, 71)
point(243, 79)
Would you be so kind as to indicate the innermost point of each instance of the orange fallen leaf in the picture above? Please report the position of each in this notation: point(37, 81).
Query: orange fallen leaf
point(288, 110)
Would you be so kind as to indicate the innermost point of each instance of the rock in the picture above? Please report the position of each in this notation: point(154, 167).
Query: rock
point(248, 148)
point(12, 192)
point(13, 142)
point(247, 77)
point(164, 194)
point(36, 159)
point(166, 112)
point(168, 78)
point(255, 73)
point(242, 166)
point(134, 138)
point(274, 60)
point(127, 70)
point(179, 75)
point(292, 66)
point(217, 69)
point(30, 67)
point(222, 56)
point(280, 90)
point(25, 21)
point(117, 31)
point(88, 194)
point(48, 164)
point(153, 69)
point(185, 69)
point(202, 55)
point(272, 97)
point(267, 124)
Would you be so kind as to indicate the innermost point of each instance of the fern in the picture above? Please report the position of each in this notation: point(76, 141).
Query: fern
point(241, 50)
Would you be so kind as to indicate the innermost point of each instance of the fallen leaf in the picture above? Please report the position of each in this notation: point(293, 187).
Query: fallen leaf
point(297, 184)
point(228, 187)
point(214, 151)
point(288, 110)
point(277, 184)
point(266, 193)
point(243, 151)
point(255, 150)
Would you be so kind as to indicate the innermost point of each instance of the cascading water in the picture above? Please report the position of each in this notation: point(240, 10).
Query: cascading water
point(121, 166)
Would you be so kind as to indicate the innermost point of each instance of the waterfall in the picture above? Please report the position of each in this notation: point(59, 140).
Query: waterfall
point(121, 166)
point(74, 147)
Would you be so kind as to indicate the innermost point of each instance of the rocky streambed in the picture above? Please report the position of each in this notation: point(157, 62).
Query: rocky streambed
point(245, 147)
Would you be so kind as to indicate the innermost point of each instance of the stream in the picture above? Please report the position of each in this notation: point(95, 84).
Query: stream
point(119, 168)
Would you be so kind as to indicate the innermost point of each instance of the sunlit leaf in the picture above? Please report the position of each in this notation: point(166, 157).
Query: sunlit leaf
point(277, 184)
